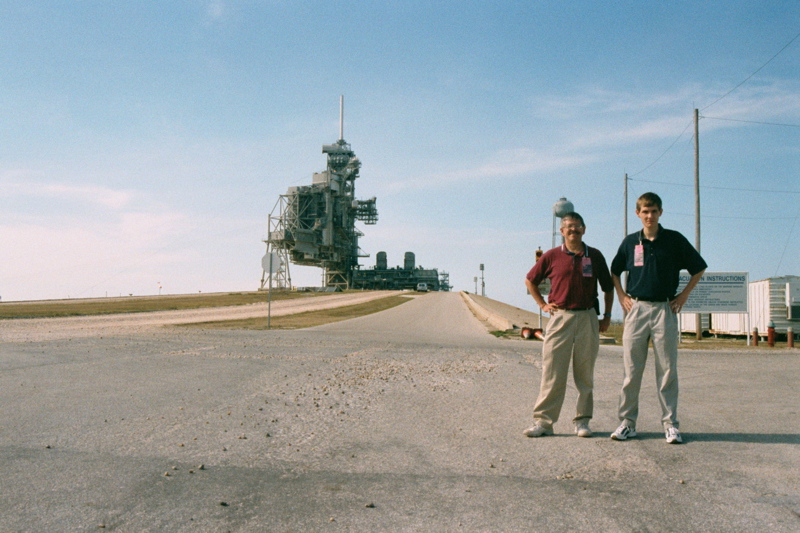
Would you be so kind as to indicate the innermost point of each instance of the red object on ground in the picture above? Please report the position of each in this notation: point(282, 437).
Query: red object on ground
point(530, 333)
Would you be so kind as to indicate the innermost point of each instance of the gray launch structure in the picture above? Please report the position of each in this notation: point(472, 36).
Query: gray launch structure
point(315, 226)
point(407, 277)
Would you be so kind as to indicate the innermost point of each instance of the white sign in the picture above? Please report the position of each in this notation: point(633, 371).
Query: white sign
point(717, 292)
point(544, 287)
point(270, 262)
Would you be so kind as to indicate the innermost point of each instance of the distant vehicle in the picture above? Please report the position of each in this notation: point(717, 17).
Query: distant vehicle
point(422, 287)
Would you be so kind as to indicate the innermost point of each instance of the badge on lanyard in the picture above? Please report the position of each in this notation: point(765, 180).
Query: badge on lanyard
point(586, 264)
point(638, 255)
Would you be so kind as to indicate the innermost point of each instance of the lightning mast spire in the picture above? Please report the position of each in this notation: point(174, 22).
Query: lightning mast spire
point(341, 117)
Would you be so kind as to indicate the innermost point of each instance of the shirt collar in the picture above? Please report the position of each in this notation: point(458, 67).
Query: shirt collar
point(566, 250)
point(658, 234)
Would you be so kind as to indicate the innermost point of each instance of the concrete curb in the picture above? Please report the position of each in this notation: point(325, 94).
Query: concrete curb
point(497, 321)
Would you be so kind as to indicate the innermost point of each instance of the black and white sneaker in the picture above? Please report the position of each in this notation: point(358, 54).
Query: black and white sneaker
point(623, 432)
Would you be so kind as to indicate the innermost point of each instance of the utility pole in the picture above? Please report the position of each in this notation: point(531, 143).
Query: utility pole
point(696, 180)
point(483, 285)
point(625, 218)
point(699, 320)
point(625, 234)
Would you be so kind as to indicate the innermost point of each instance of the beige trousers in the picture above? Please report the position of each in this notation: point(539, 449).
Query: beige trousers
point(572, 336)
point(650, 321)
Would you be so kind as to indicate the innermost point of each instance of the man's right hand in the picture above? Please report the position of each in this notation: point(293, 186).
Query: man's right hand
point(549, 308)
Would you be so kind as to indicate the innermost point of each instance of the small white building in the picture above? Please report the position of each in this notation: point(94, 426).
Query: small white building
point(772, 299)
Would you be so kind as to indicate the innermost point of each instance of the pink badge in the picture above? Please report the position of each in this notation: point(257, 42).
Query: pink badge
point(586, 264)
point(638, 255)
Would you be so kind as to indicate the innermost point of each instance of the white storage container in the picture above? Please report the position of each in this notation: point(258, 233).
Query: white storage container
point(767, 301)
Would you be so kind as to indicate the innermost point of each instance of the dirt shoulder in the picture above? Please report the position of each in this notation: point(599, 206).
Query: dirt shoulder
point(41, 329)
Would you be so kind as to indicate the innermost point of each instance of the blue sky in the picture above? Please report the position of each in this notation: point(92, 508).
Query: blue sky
point(143, 144)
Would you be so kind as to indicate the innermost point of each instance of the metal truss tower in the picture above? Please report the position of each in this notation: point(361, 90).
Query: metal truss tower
point(315, 224)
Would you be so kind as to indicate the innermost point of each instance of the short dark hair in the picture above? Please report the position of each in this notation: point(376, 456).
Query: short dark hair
point(574, 216)
point(648, 199)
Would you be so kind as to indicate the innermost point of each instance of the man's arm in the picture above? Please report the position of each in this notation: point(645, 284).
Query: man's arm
point(680, 300)
point(609, 303)
point(534, 291)
point(624, 299)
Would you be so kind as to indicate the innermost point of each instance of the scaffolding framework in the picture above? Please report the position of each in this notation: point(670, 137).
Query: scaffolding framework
point(315, 224)
point(280, 278)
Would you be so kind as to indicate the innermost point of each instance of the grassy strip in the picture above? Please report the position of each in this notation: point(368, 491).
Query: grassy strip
point(307, 319)
point(140, 304)
point(688, 341)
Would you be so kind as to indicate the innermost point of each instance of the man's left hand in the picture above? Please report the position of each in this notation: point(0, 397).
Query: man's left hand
point(604, 323)
point(677, 304)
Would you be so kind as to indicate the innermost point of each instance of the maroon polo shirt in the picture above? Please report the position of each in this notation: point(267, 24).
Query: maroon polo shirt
point(573, 285)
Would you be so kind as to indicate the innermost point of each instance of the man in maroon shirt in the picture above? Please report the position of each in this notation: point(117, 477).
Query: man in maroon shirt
point(573, 331)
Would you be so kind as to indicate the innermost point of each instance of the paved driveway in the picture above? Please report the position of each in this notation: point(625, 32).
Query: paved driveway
point(407, 420)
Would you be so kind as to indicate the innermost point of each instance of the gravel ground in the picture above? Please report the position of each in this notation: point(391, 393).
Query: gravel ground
point(406, 420)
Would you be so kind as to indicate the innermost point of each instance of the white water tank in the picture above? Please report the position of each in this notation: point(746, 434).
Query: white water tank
point(562, 207)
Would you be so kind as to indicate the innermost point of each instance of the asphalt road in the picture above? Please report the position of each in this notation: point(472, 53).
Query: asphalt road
point(407, 420)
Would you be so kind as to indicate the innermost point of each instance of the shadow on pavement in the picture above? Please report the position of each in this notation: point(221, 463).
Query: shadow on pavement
point(756, 438)
point(759, 438)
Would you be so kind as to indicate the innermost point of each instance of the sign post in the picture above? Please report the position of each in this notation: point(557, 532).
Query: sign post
point(270, 264)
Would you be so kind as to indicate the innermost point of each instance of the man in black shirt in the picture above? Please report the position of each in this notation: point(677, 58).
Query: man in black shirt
point(653, 258)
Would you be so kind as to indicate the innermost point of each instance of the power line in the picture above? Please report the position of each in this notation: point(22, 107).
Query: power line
point(753, 74)
point(717, 187)
point(754, 122)
point(720, 98)
point(664, 153)
point(725, 217)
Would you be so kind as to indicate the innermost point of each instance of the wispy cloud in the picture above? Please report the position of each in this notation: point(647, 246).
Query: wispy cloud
point(597, 124)
point(593, 102)
point(84, 194)
point(767, 101)
point(502, 165)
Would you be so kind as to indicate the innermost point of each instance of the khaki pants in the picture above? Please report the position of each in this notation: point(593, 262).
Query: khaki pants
point(650, 321)
point(571, 336)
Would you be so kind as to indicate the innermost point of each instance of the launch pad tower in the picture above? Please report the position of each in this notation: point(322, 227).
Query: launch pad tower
point(315, 224)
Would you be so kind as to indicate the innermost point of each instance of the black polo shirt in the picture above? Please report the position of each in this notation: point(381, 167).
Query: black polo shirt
point(664, 258)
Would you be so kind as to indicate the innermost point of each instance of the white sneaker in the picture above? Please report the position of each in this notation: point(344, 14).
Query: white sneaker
point(674, 436)
point(537, 431)
point(623, 432)
point(582, 429)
